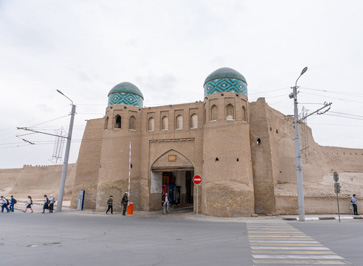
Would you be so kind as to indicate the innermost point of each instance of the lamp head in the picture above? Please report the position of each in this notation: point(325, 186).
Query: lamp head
point(304, 70)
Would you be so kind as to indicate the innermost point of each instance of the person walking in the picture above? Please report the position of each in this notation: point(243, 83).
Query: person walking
point(46, 202)
point(354, 203)
point(109, 204)
point(29, 204)
point(12, 203)
point(51, 203)
point(5, 204)
point(165, 202)
point(124, 201)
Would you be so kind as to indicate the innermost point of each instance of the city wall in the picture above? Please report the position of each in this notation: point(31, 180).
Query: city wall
point(36, 181)
point(273, 149)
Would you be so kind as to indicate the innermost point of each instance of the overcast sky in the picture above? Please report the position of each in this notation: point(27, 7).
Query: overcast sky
point(167, 49)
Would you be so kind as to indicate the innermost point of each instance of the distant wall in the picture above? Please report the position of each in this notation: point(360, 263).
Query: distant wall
point(36, 181)
point(277, 161)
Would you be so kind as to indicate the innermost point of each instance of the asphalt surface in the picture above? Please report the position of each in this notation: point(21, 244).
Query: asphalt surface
point(85, 238)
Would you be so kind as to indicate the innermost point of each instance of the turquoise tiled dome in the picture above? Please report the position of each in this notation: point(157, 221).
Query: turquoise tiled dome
point(125, 93)
point(225, 80)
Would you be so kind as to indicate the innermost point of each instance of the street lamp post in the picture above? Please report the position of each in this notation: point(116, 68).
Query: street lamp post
point(299, 176)
point(66, 156)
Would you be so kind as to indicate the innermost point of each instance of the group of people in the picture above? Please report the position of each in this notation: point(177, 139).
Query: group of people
point(9, 205)
point(48, 204)
point(124, 202)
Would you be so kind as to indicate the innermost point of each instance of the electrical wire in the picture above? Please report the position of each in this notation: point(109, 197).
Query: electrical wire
point(264, 92)
point(335, 92)
point(341, 99)
point(346, 114)
point(349, 117)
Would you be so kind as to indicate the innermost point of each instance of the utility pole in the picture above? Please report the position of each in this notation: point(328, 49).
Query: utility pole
point(66, 156)
point(299, 176)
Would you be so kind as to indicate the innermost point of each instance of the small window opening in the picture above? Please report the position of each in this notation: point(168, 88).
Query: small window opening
point(258, 141)
point(118, 121)
point(217, 160)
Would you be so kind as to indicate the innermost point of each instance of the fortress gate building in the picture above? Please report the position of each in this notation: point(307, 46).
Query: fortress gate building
point(243, 151)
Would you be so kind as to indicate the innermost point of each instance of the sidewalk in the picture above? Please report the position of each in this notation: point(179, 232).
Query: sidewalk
point(20, 206)
point(187, 213)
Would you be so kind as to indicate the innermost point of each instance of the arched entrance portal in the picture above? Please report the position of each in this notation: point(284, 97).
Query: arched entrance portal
point(173, 173)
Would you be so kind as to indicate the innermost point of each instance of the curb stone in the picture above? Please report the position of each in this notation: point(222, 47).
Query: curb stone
point(322, 218)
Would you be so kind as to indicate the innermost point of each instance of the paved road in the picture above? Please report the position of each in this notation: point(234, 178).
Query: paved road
point(71, 238)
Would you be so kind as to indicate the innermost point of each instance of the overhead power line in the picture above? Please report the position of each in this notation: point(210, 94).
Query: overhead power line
point(336, 92)
point(325, 96)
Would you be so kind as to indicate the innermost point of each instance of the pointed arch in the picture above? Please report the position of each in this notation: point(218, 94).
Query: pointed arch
point(214, 113)
point(179, 122)
point(194, 121)
point(117, 121)
point(230, 112)
point(162, 163)
point(164, 123)
point(151, 124)
point(132, 123)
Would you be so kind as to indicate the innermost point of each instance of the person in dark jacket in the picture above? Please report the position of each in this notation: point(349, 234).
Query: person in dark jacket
point(46, 202)
point(124, 201)
point(109, 204)
point(12, 203)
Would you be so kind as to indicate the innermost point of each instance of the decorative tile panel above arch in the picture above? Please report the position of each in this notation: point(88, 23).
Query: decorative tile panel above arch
point(172, 161)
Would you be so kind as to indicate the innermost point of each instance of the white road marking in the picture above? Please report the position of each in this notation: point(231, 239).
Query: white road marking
point(285, 241)
point(289, 248)
point(269, 236)
point(309, 257)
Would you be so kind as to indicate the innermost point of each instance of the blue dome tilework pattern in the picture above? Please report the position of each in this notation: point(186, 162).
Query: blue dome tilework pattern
point(225, 79)
point(125, 98)
point(225, 85)
point(126, 93)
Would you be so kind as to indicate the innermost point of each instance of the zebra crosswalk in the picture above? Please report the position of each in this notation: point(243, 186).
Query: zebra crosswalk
point(282, 244)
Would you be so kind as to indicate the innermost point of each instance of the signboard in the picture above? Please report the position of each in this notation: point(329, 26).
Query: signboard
point(197, 179)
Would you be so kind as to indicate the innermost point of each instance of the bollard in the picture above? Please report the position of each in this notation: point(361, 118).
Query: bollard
point(130, 208)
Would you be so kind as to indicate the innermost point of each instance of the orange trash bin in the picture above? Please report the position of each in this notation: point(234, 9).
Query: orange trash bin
point(130, 208)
